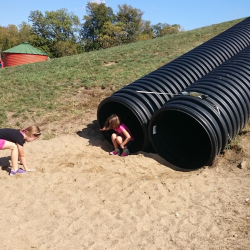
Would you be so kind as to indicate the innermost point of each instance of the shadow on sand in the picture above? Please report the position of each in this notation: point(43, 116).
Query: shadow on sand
point(162, 161)
point(5, 163)
point(94, 135)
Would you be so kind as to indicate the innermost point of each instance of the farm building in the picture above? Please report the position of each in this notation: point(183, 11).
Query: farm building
point(23, 54)
point(1, 61)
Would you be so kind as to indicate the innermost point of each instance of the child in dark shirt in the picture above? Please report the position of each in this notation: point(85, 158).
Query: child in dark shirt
point(14, 140)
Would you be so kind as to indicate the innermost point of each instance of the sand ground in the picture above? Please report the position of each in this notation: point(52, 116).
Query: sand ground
point(79, 197)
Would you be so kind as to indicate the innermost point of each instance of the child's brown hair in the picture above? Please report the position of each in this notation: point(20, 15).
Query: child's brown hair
point(32, 130)
point(112, 122)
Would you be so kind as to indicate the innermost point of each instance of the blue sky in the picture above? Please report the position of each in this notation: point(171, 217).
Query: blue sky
point(190, 14)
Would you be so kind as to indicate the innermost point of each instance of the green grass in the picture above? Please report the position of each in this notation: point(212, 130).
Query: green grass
point(47, 87)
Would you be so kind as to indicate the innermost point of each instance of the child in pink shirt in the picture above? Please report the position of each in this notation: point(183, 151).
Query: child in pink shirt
point(121, 138)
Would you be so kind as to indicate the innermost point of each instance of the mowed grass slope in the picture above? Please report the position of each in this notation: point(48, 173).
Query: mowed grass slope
point(73, 85)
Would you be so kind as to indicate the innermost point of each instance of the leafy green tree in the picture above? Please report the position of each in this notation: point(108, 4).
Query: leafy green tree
point(103, 29)
point(39, 24)
point(24, 32)
point(162, 29)
point(54, 27)
point(132, 19)
point(112, 35)
point(9, 37)
point(65, 48)
point(170, 29)
point(61, 25)
point(12, 35)
point(43, 44)
point(97, 16)
point(146, 31)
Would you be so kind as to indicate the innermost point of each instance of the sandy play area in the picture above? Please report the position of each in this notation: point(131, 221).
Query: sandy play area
point(79, 197)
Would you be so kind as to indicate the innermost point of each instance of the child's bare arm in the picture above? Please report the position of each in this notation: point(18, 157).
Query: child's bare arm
point(23, 158)
point(127, 139)
point(104, 129)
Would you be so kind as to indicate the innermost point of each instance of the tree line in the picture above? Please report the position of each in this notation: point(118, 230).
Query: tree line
point(61, 33)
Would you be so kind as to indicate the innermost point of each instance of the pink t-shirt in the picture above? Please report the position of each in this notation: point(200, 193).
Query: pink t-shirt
point(122, 127)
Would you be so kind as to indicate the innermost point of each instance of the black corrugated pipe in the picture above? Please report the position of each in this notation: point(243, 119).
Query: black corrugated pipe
point(135, 109)
point(192, 128)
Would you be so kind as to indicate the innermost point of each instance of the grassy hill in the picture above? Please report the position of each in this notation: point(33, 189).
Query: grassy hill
point(71, 86)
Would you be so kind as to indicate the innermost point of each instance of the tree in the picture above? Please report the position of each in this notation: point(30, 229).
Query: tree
point(97, 16)
point(65, 48)
point(39, 24)
point(9, 37)
point(61, 25)
point(132, 19)
point(54, 27)
point(112, 35)
point(24, 32)
point(146, 31)
point(162, 29)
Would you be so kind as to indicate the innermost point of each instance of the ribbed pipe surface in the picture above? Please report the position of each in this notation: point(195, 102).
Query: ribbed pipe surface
point(190, 132)
point(136, 109)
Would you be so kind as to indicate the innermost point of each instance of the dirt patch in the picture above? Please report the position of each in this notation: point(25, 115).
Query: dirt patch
point(109, 64)
point(80, 197)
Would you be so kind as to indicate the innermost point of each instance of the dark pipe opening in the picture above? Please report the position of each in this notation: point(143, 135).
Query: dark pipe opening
point(185, 149)
point(130, 118)
point(181, 139)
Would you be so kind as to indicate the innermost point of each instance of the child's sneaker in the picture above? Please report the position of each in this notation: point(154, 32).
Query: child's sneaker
point(21, 171)
point(125, 152)
point(12, 172)
point(115, 152)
